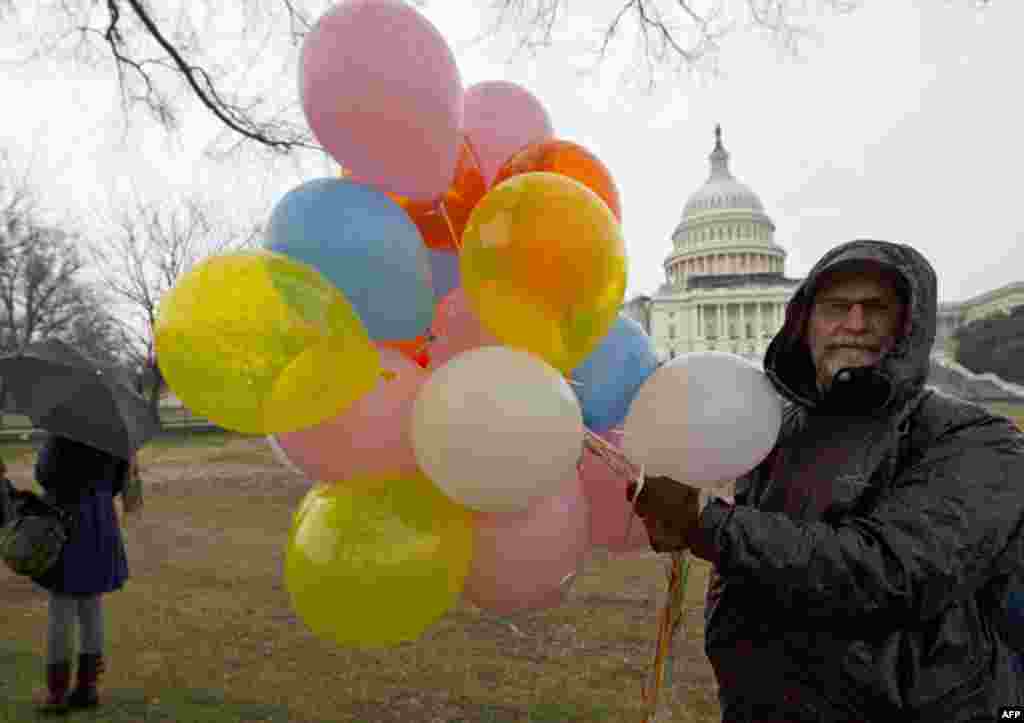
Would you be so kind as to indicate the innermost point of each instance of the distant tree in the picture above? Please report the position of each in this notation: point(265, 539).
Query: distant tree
point(994, 344)
point(43, 289)
point(149, 249)
point(160, 54)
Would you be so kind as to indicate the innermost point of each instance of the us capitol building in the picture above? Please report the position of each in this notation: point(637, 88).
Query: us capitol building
point(726, 287)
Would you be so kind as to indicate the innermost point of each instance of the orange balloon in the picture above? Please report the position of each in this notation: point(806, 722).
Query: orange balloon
point(410, 348)
point(543, 266)
point(568, 159)
point(465, 191)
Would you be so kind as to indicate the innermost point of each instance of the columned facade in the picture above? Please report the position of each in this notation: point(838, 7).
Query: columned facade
point(725, 285)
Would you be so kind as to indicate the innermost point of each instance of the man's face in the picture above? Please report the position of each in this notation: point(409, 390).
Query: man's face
point(855, 319)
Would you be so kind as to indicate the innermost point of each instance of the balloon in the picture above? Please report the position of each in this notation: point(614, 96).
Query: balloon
point(456, 329)
point(543, 263)
point(365, 245)
point(442, 227)
point(496, 429)
point(500, 118)
point(382, 94)
point(374, 561)
point(520, 559)
point(370, 436)
point(704, 418)
point(253, 341)
point(444, 270)
point(410, 348)
point(568, 159)
point(610, 377)
point(613, 525)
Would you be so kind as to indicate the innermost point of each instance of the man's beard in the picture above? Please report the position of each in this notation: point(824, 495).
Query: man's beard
point(845, 356)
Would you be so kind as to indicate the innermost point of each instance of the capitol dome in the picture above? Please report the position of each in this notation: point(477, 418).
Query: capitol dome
point(724, 229)
point(721, 192)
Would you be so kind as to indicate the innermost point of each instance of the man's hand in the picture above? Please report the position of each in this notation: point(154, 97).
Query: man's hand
point(670, 511)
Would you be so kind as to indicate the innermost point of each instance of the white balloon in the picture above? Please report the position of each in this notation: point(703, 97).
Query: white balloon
point(497, 428)
point(703, 419)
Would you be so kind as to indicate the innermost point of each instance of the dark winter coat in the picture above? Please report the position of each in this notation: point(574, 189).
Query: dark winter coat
point(85, 481)
point(861, 574)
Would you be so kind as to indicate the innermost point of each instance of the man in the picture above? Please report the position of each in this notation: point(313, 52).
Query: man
point(861, 573)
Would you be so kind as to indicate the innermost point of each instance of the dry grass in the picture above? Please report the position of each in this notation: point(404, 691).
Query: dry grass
point(206, 610)
point(204, 628)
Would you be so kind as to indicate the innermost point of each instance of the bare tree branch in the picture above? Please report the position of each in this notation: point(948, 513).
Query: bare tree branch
point(42, 292)
point(670, 35)
point(151, 248)
point(155, 50)
point(272, 135)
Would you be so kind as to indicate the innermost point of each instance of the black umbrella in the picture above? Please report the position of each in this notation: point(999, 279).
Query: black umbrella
point(65, 393)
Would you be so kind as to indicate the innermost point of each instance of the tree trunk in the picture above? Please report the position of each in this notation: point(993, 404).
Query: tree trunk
point(155, 382)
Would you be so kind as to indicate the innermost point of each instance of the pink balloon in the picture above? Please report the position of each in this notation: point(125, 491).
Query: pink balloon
point(382, 94)
point(370, 436)
point(457, 329)
point(523, 560)
point(610, 512)
point(500, 118)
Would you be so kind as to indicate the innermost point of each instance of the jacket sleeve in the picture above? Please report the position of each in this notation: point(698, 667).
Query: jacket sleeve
point(741, 497)
point(950, 524)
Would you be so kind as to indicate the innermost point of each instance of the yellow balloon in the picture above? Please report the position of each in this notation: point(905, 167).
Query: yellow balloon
point(375, 560)
point(543, 263)
point(259, 343)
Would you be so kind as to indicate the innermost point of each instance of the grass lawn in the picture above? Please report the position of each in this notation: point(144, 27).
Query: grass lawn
point(203, 631)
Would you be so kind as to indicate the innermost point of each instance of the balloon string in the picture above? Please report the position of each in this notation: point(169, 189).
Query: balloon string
point(632, 508)
point(672, 614)
point(473, 153)
point(611, 456)
point(621, 466)
point(442, 209)
point(670, 621)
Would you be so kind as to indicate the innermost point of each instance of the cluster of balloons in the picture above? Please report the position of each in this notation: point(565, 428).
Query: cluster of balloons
point(430, 335)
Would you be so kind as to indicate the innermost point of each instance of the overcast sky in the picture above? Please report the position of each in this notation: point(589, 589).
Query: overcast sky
point(903, 123)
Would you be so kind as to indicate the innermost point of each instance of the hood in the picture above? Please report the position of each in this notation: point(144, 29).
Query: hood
point(898, 375)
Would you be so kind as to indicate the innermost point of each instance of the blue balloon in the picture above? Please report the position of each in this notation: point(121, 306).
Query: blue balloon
point(608, 380)
point(366, 245)
point(444, 266)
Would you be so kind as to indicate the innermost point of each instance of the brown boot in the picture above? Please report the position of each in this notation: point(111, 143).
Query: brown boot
point(86, 694)
point(58, 678)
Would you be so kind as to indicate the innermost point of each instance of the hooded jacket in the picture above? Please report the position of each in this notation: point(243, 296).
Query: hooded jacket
point(860, 574)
